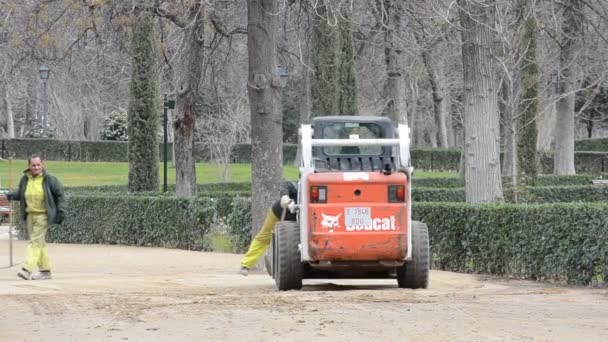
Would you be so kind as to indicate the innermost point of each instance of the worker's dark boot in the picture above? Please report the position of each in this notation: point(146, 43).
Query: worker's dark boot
point(24, 274)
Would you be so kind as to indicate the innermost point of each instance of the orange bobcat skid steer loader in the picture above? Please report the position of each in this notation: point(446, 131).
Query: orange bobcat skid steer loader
point(354, 207)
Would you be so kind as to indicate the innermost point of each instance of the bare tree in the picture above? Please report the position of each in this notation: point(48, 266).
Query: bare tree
point(482, 163)
point(571, 33)
point(430, 45)
point(390, 15)
point(264, 99)
point(192, 56)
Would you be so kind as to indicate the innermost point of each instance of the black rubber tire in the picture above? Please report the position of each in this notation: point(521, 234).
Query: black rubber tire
point(268, 256)
point(288, 267)
point(414, 274)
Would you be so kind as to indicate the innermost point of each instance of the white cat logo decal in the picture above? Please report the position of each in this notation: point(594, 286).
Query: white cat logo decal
point(330, 222)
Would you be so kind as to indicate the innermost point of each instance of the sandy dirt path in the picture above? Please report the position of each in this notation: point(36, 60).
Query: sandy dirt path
point(117, 293)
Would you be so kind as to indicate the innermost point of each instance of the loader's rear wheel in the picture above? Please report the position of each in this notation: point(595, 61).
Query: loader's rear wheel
point(414, 274)
point(287, 265)
point(268, 256)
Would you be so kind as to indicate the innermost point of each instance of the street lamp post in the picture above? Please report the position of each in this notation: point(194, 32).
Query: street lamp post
point(167, 104)
point(44, 76)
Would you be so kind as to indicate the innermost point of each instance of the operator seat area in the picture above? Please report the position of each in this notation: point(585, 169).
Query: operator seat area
point(353, 158)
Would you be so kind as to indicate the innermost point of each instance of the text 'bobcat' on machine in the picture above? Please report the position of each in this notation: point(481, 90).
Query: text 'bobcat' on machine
point(354, 207)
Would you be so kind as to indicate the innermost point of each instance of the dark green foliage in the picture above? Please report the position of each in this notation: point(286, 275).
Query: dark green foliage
point(584, 162)
point(551, 180)
point(137, 220)
point(144, 107)
point(563, 242)
point(437, 182)
point(202, 189)
point(114, 126)
point(426, 159)
point(420, 194)
point(528, 104)
point(65, 150)
point(333, 84)
point(529, 194)
point(435, 159)
point(597, 144)
point(239, 223)
point(591, 106)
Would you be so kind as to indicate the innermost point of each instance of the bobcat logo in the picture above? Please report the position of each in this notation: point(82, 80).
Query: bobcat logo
point(330, 222)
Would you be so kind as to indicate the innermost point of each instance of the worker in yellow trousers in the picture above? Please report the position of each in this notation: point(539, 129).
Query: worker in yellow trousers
point(263, 238)
point(42, 202)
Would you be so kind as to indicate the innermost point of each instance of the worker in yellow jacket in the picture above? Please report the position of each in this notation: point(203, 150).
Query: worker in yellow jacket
point(42, 202)
point(263, 238)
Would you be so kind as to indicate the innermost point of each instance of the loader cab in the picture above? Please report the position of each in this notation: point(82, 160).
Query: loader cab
point(352, 158)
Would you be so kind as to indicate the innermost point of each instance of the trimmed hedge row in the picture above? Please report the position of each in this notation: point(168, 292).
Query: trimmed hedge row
point(143, 220)
point(435, 159)
point(595, 144)
point(111, 151)
point(432, 159)
point(541, 180)
point(563, 242)
point(65, 150)
point(531, 194)
point(201, 188)
point(439, 182)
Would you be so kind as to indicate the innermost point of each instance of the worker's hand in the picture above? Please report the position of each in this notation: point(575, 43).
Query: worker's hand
point(285, 200)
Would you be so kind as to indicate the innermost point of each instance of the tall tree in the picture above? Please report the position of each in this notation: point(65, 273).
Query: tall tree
point(394, 93)
point(528, 102)
point(265, 103)
point(481, 122)
point(333, 85)
point(144, 106)
point(569, 48)
point(429, 34)
point(189, 79)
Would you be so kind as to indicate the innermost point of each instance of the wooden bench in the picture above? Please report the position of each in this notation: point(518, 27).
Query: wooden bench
point(599, 181)
point(5, 206)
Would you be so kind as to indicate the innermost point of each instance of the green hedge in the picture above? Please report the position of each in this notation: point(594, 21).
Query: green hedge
point(564, 242)
point(201, 188)
point(585, 162)
point(541, 180)
point(163, 221)
point(112, 151)
point(595, 144)
point(116, 151)
point(435, 159)
point(66, 150)
point(531, 194)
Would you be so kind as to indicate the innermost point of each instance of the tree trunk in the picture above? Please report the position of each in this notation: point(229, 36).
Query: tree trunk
point(264, 99)
point(393, 87)
point(440, 106)
point(185, 119)
point(416, 128)
point(564, 133)
point(482, 135)
point(509, 163)
point(10, 117)
point(528, 101)
point(305, 101)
